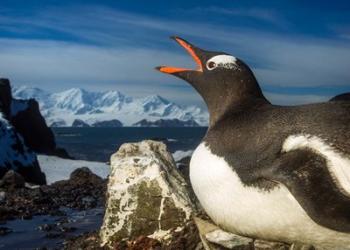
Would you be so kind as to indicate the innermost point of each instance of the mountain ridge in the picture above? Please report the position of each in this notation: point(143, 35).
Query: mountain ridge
point(63, 108)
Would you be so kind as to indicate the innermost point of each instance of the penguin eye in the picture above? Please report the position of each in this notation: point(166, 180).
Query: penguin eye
point(224, 62)
point(211, 65)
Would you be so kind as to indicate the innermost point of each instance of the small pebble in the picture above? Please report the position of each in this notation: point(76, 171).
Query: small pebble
point(5, 231)
point(45, 227)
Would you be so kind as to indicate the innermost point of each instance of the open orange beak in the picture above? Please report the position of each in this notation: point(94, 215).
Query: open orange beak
point(191, 50)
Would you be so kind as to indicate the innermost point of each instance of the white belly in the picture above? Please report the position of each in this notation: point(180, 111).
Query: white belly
point(274, 214)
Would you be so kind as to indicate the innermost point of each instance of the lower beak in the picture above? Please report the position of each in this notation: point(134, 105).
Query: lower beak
point(191, 50)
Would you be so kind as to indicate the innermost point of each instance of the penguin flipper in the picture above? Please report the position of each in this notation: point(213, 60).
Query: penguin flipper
point(307, 177)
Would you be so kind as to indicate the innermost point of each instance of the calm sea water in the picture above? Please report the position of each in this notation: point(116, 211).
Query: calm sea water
point(98, 144)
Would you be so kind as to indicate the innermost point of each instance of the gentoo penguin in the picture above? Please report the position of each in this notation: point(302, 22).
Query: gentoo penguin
point(273, 172)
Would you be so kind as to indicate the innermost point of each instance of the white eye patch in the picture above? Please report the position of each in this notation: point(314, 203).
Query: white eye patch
point(222, 61)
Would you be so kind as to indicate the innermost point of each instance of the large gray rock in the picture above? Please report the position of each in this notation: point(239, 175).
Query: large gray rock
point(146, 194)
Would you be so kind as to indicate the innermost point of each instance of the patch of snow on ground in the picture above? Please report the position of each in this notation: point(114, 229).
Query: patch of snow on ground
point(57, 169)
point(180, 154)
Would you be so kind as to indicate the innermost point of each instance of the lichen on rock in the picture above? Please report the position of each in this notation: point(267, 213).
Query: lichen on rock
point(146, 194)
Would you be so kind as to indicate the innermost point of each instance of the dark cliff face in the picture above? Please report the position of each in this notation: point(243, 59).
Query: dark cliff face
point(25, 117)
point(32, 126)
point(77, 123)
point(166, 123)
point(15, 155)
point(111, 123)
point(5, 97)
point(27, 121)
point(23, 132)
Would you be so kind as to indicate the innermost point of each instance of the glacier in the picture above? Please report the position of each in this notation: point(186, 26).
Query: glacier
point(61, 109)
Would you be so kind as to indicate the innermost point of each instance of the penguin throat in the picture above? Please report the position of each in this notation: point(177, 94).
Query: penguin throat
point(222, 105)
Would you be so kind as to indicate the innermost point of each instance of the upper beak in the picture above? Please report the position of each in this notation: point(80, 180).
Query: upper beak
point(192, 50)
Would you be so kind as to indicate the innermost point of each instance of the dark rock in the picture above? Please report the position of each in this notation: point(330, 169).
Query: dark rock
point(87, 241)
point(84, 190)
point(77, 123)
point(83, 173)
point(88, 201)
point(142, 242)
point(46, 227)
point(341, 97)
point(188, 238)
point(12, 180)
point(33, 174)
point(22, 131)
point(32, 126)
point(7, 213)
point(58, 124)
point(185, 239)
point(62, 153)
point(5, 97)
point(111, 123)
point(5, 230)
point(57, 230)
point(16, 155)
point(166, 123)
point(184, 167)
point(25, 117)
point(54, 235)
point(68, 229)
point(26, 216)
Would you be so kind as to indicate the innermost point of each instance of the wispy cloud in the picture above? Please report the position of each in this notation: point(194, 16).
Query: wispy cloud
point(59, 65)
point(105, 48)
point(342, 31)
point(266, 15)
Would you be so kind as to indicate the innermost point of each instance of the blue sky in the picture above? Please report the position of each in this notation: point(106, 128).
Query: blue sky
point(299, 50)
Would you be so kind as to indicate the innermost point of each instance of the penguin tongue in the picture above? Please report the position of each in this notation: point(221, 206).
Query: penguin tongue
point(190, 50)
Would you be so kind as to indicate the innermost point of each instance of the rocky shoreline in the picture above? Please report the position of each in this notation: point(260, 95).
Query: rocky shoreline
point(20, 200)
point(23, 134)
point(152, 217)
point(147, 200)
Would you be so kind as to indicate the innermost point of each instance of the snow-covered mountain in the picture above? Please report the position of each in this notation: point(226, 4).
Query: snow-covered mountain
point(61, 109)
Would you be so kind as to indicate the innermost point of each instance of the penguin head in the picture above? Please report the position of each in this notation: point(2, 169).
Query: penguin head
point(221, 79)
point(210, 65)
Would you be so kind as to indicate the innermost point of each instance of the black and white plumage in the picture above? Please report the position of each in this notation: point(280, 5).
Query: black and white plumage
point(274, 172)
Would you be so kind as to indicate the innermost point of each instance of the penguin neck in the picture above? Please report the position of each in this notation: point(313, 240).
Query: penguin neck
point(231, 102)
